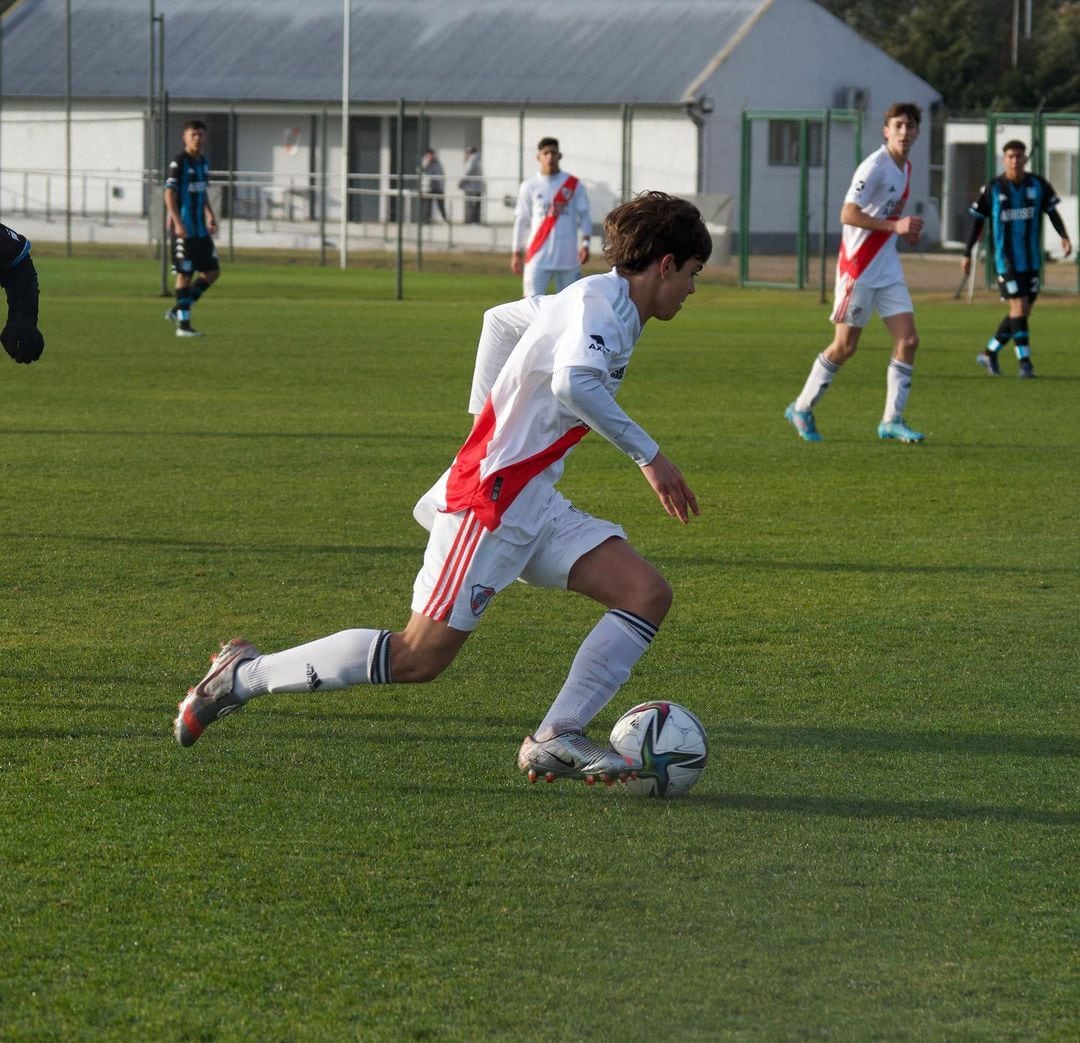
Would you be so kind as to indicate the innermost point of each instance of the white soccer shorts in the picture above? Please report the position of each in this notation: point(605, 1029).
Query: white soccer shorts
point(536, 279)
point(465, 565)
point(854, 303)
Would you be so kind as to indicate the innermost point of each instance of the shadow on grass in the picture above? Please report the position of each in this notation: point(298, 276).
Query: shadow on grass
point(869, 567)
point(392, 437)
point(867, 740)
point(222, 546)
point(871, 808)
point(330, 725)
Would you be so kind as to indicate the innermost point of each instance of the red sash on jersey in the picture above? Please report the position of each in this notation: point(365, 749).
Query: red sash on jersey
point(490, 497)
point(559, 203)
point(872, 244)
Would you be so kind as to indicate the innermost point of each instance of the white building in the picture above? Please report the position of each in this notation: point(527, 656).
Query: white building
point(640, 96)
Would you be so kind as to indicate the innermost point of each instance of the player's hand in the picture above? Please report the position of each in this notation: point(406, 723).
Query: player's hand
point(515, 264)
point(965, 264)
point(675, 496)
point(1066, 247)
point(909, 229)
point(22, 341)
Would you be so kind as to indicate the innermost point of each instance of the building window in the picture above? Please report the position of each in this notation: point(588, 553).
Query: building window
point(784, 143)
point(1061, 172)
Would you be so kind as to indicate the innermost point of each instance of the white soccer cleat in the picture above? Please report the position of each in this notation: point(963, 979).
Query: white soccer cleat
point(573, 756)
point(212, 698)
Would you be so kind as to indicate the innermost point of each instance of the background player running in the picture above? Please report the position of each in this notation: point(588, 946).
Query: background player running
point(550, 373)
point(1014, 203)
point(869, 277)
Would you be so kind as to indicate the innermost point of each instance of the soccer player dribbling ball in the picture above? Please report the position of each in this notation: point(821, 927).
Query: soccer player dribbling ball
point(870, 277)
point(546, 374)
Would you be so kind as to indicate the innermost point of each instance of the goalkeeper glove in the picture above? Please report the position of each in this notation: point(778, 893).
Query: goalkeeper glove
point(22, 341)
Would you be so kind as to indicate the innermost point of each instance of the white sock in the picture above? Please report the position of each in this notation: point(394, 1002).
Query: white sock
point(346, 658)
point(821, 376)
point(602, 664)
point(897, 389)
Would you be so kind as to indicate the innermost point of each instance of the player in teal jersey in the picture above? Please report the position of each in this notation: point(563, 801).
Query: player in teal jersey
point(192, 225)
point(1014, 202)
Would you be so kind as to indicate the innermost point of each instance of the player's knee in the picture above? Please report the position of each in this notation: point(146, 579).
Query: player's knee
point(907, 344)
point(840, 350)
point(652, 596)
point(663, 596)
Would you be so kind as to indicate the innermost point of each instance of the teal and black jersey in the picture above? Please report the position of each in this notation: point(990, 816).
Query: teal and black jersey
point(1015, 210)
point(14, 248)
point(189, 178)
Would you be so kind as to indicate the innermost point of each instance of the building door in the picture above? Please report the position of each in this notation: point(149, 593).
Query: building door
point(364, 142)
point(413, 150)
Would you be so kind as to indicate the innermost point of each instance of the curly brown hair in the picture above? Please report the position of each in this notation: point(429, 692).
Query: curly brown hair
point(652, 225)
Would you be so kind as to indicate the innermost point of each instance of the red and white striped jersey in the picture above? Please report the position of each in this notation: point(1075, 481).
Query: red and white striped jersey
point(880, 189)
point(507, 468)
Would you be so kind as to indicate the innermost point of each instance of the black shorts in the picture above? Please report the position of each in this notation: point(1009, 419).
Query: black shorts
point(194, 255)
point(1025, 284)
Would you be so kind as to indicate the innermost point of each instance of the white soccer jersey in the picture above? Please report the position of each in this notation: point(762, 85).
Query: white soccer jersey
point(536, 200)
point(504, 325)
point(880, 189)
point(507, 469)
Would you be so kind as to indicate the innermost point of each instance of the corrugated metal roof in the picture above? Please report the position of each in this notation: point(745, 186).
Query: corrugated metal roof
point(473, 51)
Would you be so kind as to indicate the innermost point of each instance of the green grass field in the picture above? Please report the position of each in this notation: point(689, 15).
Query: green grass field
point(881, 640)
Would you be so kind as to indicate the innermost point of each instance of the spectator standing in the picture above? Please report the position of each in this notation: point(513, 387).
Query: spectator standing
point(433, 186)
point(472, 184)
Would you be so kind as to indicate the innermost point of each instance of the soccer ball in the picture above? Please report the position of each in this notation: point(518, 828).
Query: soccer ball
point(670, 743)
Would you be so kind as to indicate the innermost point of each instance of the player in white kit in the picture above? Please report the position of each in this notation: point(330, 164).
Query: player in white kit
point(552, 208)
point(547, 373)
point(870, 277)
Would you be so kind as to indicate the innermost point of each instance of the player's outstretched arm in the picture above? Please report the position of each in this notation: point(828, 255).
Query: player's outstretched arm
point(675, 496)
point(20, 337)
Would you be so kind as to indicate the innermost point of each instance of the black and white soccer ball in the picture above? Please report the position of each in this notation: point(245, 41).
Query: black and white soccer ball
point(670, 743)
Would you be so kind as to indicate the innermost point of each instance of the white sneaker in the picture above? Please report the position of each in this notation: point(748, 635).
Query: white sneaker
point(573, 756)
point(188, 331)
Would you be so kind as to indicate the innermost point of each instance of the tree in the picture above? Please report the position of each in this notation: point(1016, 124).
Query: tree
point(964, 48)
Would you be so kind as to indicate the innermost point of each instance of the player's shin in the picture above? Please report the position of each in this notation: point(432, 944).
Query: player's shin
point(817, 383)
point(1022, 336)
point(897, 389)
point(347, 658)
